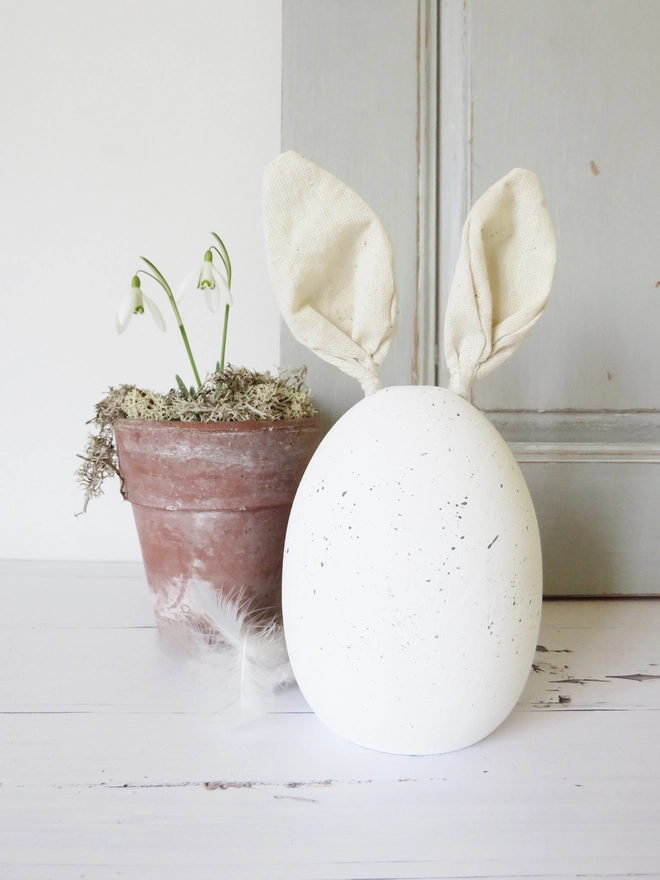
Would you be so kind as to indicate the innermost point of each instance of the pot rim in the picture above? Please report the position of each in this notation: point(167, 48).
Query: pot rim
point(222, 427)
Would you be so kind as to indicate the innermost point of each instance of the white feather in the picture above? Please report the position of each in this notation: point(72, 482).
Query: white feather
point(248, 654)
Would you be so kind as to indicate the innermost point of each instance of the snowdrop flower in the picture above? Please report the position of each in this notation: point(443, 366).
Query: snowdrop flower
point(215, 287)
point(133, 304)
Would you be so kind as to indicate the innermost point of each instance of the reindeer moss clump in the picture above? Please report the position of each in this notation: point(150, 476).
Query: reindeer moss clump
point(233, 395)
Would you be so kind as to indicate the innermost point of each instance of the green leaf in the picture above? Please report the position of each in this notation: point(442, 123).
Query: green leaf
point(159, 276)
point(224, 262)
point(218, 368)
point(225, 256)
point(192, 391)
point(182, 387)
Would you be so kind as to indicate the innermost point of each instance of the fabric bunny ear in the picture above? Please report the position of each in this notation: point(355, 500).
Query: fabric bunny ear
point(502, 279)
point(330, 265)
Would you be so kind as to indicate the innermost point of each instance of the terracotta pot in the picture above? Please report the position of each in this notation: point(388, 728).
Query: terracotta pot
point(211, 502)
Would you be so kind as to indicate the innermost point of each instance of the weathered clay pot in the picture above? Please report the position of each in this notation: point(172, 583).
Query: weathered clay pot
point(211, 502)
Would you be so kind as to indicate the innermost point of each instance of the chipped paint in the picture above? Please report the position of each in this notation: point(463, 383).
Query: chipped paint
point(292, 797)
point(638, 676)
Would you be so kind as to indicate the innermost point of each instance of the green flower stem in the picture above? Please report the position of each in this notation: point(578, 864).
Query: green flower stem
point(168, 290)
point(190, 354)
point(224, 256)
point(224, 339)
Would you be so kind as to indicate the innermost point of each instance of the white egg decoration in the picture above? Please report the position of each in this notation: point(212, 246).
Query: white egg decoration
point(412, 575)
point(412, 579)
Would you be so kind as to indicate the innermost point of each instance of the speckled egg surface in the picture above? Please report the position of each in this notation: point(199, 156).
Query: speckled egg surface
point(412, 575)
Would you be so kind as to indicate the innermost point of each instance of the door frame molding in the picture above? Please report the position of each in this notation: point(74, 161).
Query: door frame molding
point(426, 327)
point(360, 97)
point(454, 154)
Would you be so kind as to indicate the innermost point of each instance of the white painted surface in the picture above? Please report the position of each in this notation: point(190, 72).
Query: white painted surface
point(412, 575)
point(128, 128)
point(112, 764)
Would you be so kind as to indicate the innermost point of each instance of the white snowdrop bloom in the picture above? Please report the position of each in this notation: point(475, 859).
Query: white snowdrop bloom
point(208, 279)
point(133, 304)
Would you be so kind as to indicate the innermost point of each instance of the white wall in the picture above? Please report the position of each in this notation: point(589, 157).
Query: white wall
point(126, 128)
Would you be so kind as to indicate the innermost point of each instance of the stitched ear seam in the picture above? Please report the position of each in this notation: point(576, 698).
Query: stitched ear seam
point(508, 274)
point(315, 225)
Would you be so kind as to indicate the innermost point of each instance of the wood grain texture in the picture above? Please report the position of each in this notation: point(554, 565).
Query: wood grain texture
point(350, 104)
point(598, 522)
point(601, 428)
point(426, 327)
point(114, 764)
point(569, 90)
point(595, 482)
point(453, 153)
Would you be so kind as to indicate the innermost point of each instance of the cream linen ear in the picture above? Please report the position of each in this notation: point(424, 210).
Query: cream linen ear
point(330, 264)
point(502, 279)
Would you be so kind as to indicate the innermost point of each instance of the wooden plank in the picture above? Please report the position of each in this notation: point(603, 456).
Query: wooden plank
point(602, 427)
point(583, 116)
point(58, 637)
point(426, 320)
point(350, 104)
point(595, 483)
point(113, 763)
point(48, 568)
point(455, 169)
point(64, 670)
point(535, 798)
point(598, 524)
point(587, 659)
point(72, 601)
point(294, 749)
point(586, 95)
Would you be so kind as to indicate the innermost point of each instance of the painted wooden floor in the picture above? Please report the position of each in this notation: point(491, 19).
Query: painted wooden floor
point(113, 764)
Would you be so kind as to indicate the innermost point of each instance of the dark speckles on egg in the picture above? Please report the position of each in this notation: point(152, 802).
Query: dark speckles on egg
point(387, 567)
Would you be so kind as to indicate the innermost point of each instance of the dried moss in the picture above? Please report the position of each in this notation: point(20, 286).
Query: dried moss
point(234, 395)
